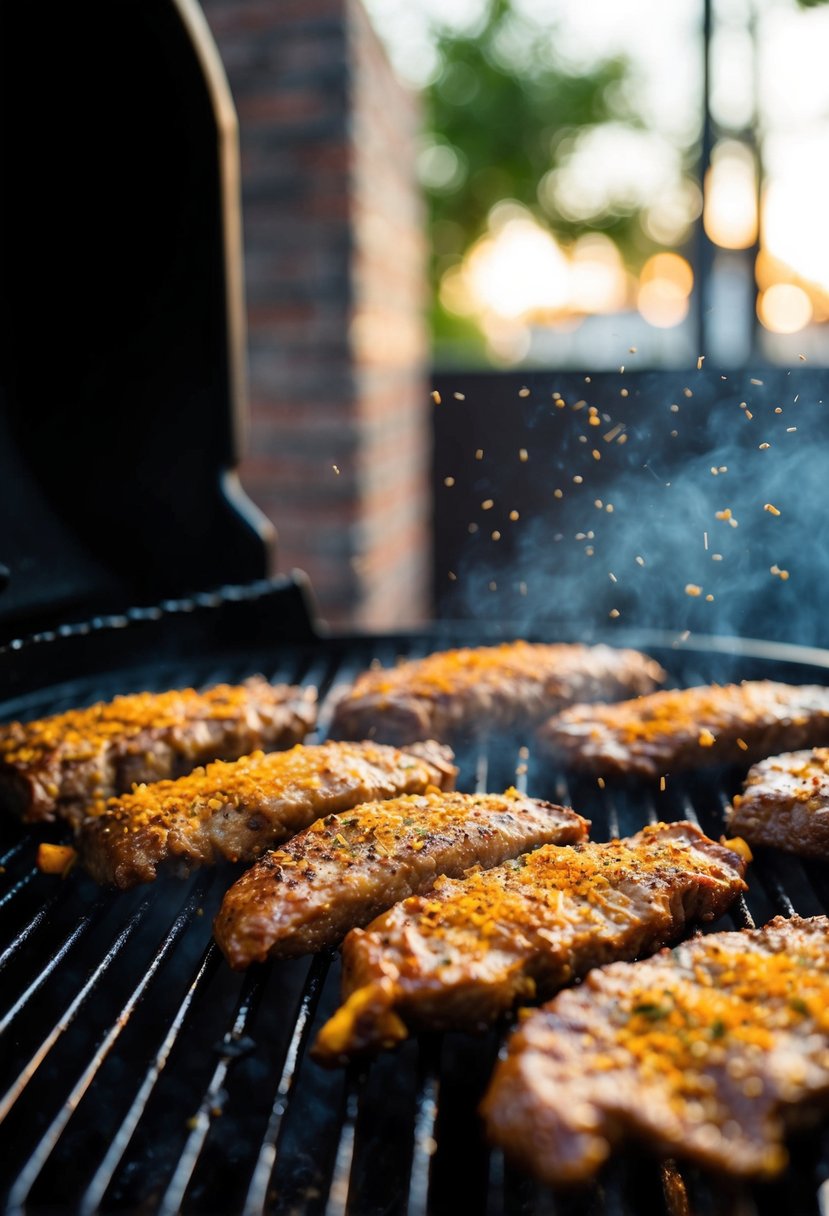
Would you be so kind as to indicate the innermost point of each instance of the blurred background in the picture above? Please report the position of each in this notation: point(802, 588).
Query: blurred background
point(439, 190)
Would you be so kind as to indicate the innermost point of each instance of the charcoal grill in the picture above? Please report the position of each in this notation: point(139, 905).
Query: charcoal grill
point(139, 1073)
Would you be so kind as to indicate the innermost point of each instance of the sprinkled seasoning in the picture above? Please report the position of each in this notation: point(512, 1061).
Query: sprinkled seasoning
point(436, 397)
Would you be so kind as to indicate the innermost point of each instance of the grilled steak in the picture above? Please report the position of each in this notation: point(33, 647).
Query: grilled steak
point(474, 947)
point(706, 1051)
point(57, 767)
point(690, 727)
point(785, 803)
point(346, 869)
point(458, 692)
point(235, 811)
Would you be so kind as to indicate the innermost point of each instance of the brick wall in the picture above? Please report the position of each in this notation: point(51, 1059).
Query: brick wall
point(335, 286)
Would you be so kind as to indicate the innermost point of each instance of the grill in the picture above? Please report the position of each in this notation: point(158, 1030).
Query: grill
point(138, 1072)
point(141, 1074)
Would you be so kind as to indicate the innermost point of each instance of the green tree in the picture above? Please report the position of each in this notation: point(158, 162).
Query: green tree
point(501, 113)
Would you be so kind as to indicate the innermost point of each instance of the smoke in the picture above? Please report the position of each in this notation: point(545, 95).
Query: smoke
point(690, 502)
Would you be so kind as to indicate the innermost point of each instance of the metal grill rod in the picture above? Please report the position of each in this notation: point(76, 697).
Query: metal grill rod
point(103, 1175)
point(38, 1159)
point(170, 1203)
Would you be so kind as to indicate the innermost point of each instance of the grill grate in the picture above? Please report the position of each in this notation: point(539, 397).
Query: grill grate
point(140, 1074)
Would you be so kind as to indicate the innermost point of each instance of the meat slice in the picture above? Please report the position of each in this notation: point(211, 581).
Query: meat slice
point(234, 811)
point(705, 1052)
point(473, 948)
point(346, 869)
point(58, 767)
point(688, 728)
point(785, 803)
point(453, 693)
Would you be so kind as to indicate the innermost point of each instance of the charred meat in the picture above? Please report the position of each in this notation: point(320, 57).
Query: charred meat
point(455, 693)
point(345, 869)
point(706, 1052)
point(234, 811)
point(61, 766)
point(688, 728)
point(475, 947)
point(785, 803)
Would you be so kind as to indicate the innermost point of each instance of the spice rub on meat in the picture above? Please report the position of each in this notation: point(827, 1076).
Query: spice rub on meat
point(475, 947)
point(688, 728)
point(347, 868)
point(60, 766)
point(708, 1052)
point(233, 812)
point(785, 803)
point(453, 693)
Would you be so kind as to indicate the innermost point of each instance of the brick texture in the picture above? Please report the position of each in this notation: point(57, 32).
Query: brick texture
point(338, 353)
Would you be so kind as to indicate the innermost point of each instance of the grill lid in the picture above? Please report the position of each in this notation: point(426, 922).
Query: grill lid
point(121, 313)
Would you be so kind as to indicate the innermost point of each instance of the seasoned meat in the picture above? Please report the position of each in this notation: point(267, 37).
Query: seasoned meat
point(690, 727)
point(461, 692)
point(785, 803)
point(235, 811)
point(58, 767)
point(474, 947)
point(706, 1052)
point(346, 869)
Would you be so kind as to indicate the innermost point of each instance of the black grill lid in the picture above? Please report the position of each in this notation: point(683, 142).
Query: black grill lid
point(121, 313)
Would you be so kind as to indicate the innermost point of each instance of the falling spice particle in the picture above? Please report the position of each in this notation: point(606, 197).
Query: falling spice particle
point(523, 392)
point(624, 393)
point(453, 578)
point(706, 739)
point(623, 438)
point(687, 392)
point(771, 508)
point(487, 504)
point(578, 479)
point(336, 469)
point(741, 743)
point(764, 447)
point(693, 589)
point(705, 541)
point(674, 409)
point(632, 350)
point(493, 586)
point(709, 599)
point(700, 361)
point(598, 504)
point(749, 415)
point(514, 515)
point(716, 557)
point(789, 429)
point(473, 527)
point(802, 358)
point(436, 397)
point(778, 409)
point(558, 493)
point(479, 454)
point(610, 435)
point(496, 535)
point(614, 613)
point(662, 784)
point(597, 454)
point(757, 382)
point(522, 588)
point(523, 455)
point(459, 396)
point(640, 561)
point(612, 576)
point(449, 481)
point(609, 508)
point(600, 782)
point(781, 574)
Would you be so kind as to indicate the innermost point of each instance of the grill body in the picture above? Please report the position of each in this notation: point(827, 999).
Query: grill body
point(141, 1074)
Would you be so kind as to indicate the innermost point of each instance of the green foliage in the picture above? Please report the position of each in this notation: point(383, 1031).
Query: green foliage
point(502, 110)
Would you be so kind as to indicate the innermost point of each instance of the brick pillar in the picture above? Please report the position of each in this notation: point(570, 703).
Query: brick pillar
point(335, 284)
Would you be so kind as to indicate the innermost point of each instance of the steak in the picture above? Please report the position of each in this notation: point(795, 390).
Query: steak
point(688, 728)
point(61, 766)
point(785, 803)
point(233, 812)
point(345, 869)
point(707, 1052)
point(474, 947)
point(455, 693)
